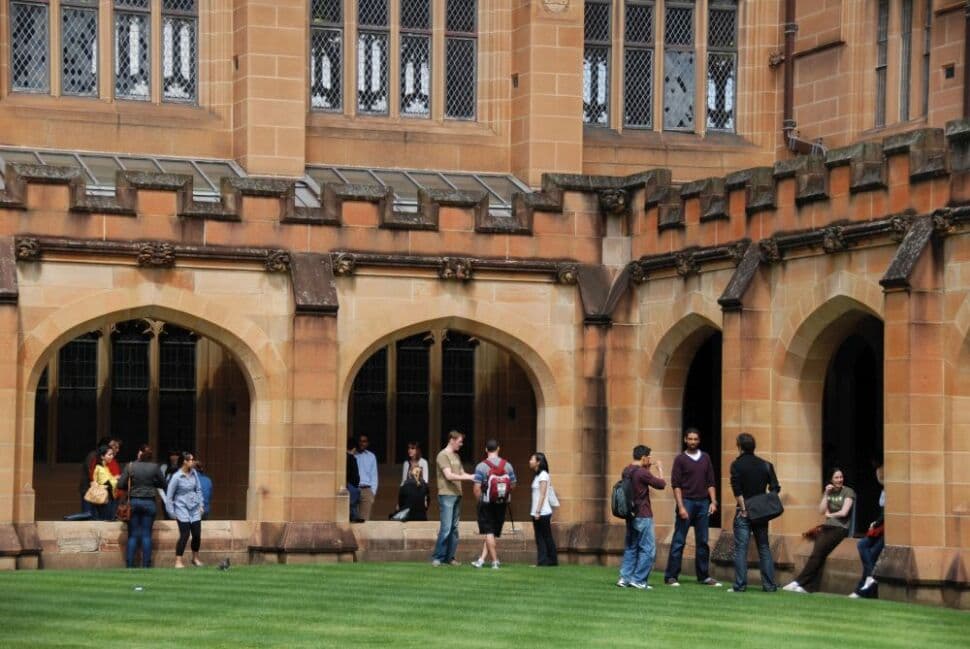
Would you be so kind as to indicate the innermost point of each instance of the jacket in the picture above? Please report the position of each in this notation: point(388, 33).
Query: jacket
point(146, 477)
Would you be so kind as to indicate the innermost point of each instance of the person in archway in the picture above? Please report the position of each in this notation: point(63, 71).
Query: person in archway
point(493, 485)
point(750, 476)
point(183, 500)
point(450, 475)
point(414, 459)
point(543, 501)
point(413, 496)
point(367, 467)
point(146, 477)
point(871, 545)
point(640, 543)
point(87, 475)
point(836, 506)
point(353, 482)
point(103, 476)
point(692, 478)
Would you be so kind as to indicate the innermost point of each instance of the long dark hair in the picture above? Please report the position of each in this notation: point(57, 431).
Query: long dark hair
point(542, 464)
point(417, 450)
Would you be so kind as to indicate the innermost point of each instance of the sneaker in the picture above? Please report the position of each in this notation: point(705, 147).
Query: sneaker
point(477, 563)
point(496, 565)
point(734, 590)
point(870, 582)
point(671, 581)
point(710, 581)
point(622, 583)
point(799, 589)
point(792, 587)
point(454, 562)
point(435, 563)
point(639, 585)
point(853, 595)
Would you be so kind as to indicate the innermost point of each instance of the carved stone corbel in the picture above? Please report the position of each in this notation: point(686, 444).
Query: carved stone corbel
point(28, 249)
point(156, 254)
point(899, 226)
point(736, 250)
point(614, 201)
point(770, 252)
point(344, 265)
point(833, 239)
point(637, 274)
point(457, 268)
point(567, 274)
point(685, 263)
point(277, 261)
point(942, 222)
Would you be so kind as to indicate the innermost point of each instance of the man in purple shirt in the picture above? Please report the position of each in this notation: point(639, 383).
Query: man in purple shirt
point(694, 490)
point(640, 547)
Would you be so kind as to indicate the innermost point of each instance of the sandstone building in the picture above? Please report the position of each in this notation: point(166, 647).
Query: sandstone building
point(256, 227)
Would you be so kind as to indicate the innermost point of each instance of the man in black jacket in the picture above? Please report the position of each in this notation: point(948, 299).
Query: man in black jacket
point(353, 482)
point(750, 476)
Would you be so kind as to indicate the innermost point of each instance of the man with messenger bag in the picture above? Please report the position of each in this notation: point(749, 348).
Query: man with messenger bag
point(751, 476)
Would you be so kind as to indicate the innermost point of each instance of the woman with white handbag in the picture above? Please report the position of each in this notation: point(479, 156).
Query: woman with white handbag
point(543, 501)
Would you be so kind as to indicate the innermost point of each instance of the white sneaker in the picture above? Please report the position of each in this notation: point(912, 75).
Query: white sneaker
point(496, 565)
point(477, 563)
point(641, 586)
point(853, 595)
point(622, 583)
point(435, 563)
point(870, 582)
point(792, 587)
point(799, 589)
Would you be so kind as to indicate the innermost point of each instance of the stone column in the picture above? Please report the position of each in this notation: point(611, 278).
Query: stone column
point(270, 86)
point(547, 78)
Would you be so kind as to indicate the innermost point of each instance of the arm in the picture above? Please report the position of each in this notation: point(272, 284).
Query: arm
point(679, 497)
point(736, 489)
point(543, 489)
point(712, 494)
point(123, 479)
point(170, 495)
point(823, 504)
point(711, 486)
point(424, 470)
point(404, 471)
point(842, 513)
point(657, 481)
point(451, 475)
point(477, 490)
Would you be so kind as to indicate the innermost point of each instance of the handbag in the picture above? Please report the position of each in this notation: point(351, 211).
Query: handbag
point(552, 497)
point(401, 515)
point(764, 507)
point(876, 531)
point(97, 494)
point(123, 511)
point(812, 532)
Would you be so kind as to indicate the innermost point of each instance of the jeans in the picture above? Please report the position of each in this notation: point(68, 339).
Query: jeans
point(545, 544)
point(742, 534)
point(639, 550)
point(88, 508)
point(354, 493)
point(698, 510)
point(869, 551)
point(447, 544)
point(140, 531)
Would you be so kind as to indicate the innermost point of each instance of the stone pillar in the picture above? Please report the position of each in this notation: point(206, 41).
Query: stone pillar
point(270, 86)
point(547, 79)
point(594, 411)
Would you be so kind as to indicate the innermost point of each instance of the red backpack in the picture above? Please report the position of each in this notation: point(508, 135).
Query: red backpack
point(498, 484)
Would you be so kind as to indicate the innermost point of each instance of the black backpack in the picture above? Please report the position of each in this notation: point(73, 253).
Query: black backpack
point(622, 501)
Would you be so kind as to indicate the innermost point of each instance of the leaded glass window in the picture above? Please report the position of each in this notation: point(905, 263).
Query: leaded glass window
point(130, 382)
point(77, 398)
point(326, 55)
point(722, 64)
point(29, 47)
point(180, 50)
point(461, 59)
point(905, 56)
point(373, 37)
point(41, 417)
point(413, 390)
point(458, 389)
point(882, 57)
point(176, 388)
point(415, 63)
point(79, 48)
point(679, 66)
point(638, 64)
point(927, 46)
point(596, 62)
point(369, 402)
point(132, 49)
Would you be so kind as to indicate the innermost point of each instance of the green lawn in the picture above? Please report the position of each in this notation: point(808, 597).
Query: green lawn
point(415, 605)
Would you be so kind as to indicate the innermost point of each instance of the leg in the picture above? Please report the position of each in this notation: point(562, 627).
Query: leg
point(630, 542)
point(646, 550)
point(490, 547)
point(811, 575)
point(366, 502)
point(702, 551)
point(550, 557)
point(148, 520)
point(742, 534)
point(677, 546)
point(354, 499)
point(445, 505)
point(196, 529)
point(133, 537)
point(540, 542)
point(765, 563)
point(453, 537)
point(184, 529)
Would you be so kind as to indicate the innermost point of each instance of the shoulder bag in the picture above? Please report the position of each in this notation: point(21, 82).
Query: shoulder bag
point(123, 510)
point(764, 507)
point(97, 494)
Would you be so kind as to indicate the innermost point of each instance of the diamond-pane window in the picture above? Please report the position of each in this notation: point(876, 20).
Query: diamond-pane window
point(461, 59)
point(180, 50)
point(679, 67)
point(326, 55)
point(638, 64)
point(882, 49)
point(79, 50)
point(29, 54)
point(722, 26)
point(596, 63)
point(722, 65)
point(372, 57)
point(373, 13)
point(132, 50)
point(638, 28)
point(415, 61)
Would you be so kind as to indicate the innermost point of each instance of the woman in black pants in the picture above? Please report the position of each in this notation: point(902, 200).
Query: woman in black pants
point(184, 503)
point(543, 500)
point(836, 504)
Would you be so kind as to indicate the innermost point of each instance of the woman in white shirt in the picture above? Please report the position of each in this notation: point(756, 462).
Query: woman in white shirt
point(414, 459)
point(543, 500)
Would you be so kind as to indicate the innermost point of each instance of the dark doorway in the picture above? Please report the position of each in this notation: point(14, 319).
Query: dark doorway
point(702, 405)
point(852, 416)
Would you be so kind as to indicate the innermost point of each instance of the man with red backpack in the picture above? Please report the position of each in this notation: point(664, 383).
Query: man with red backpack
point(494, 482)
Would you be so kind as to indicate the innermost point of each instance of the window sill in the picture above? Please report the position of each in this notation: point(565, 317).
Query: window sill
point(124, 113)
point(893, 129)
point(596, 136)
point(400, 128)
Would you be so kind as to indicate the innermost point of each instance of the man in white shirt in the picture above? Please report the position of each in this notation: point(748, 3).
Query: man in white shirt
point(367, 467)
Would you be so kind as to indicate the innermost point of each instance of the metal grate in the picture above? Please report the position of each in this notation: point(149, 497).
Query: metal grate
point(461, 76)
point(458, 387)
point(882, 43)
point(638, 88)
point(722, 28)
point(461, 16)
point(638, 23)
point(326, 11)
point(79, 51)
point(176, 388)
point(373, 13)
point(130, 382)
point(679, 26)
point(29, 57)
point(132, 55)
point(416, 75)
point(180, 58)
point(372, 73)
point(77, 398)
point(326, 69)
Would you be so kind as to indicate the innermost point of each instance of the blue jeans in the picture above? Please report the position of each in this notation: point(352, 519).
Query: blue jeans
point(698, 510)
point(869, 551)
point(742, 534)
point(639, 550)
point(354, 493)
point(140, 531)
point(445, 548)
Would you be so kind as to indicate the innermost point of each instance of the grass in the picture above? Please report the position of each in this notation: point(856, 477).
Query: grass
point(415, 605)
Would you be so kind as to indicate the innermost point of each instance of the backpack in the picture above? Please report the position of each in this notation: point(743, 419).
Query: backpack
point(498, 484)
point(622, 501)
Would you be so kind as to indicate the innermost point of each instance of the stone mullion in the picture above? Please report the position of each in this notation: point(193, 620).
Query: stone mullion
point(436, 381)
point(390, 414)
point(52, 394)
point(103, 398)
point(154, 395)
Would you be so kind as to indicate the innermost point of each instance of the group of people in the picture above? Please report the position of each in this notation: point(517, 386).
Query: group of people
point(692, 479)
point(184, 489)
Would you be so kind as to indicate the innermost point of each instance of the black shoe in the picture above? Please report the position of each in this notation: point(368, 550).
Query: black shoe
point(770, 590)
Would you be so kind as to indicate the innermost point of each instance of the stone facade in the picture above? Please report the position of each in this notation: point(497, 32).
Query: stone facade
point(602, 285)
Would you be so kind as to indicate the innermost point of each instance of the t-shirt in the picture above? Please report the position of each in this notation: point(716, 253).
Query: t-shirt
point(448, 487)
point(834, 501)
point(483, 468)
point(542, 476)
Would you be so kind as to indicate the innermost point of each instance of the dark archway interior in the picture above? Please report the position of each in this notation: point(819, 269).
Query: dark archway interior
point(702, 405)
point(852, 416)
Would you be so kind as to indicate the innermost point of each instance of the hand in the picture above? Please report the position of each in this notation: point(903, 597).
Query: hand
point(535, 516)
point(712, 508)
point(829, 488)
point(682, 512)
point(743, 513)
